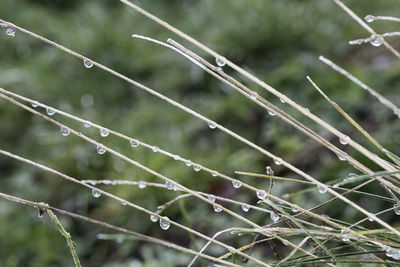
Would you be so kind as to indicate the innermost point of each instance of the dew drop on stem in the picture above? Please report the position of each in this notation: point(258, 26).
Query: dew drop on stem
point(322, 189)
point(245, 207)
point(104, 132)
point(369, 18)
point(220, 61)
point(10, 31)
point(217, 208)
point(196, 168)
point(134, 143)
point(141, 184)
point(87, 63)
point(96, 193)
point(261, 194)
point(101, 150)
point(153, 218)
point(236, 184)
point(35, 104)
point(212, 125)
point(344, 140)
point(50, 111)
point(165, 223)
point(64, 131)
point(274, 217)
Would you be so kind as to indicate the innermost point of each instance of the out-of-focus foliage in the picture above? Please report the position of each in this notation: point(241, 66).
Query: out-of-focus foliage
point(279, 41)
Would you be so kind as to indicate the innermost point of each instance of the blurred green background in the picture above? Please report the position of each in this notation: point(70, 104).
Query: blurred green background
point(278, 41)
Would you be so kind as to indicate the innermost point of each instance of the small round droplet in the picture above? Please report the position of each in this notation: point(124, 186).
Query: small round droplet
point(371, 219)
point(396, 209)
point(217, 208)
point(64, 131)
point(214, 173)
point(278, 161)
point(245, 207)
point(155, 149)
point(96, 193)
point(271, 113)
point(134, 143)
point(283, 100)
point(261, 194)
point(101, 150)
point(306, 110)
point(212, 125)
point(10, 31)
point(220, 61)
point(375, 41)
point(35, 104)
point(87, 124)
point(253, 95)
point(88, 64)
point(104, 132)
point(153, 218)
point(369, 18)
point(169, 185)
point(50, 111)
point(236, 184)
point(196, 168)
point(344, 140)
point(274, 217)
point(294, 209)
point(341, 157)
point(211, 198)
point(322, 189)
point(188, 163)
point(269, 171)
point(141, 184)
point(344, 235)
point(164, 223)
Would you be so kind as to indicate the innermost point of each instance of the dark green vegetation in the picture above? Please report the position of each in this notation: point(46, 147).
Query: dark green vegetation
point(279, 41)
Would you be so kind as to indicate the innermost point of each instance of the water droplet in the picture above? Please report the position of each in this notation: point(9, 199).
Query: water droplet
point(396, 209)
point(87, 124)
point(153, 218)
point(274, 217)
point(236, 184)
point(344, 140)
point(35, 104)
point(155, 149)
point(10, 31)
point(104, 132)
point(217, 208)
point(134, 143)
point(253, 95)
point(50, 111)
point(371, 219)
point(188, 163)
point(101, 150)
point(96, 193)
point(141, 184)
point(269, 171)
point(212, 125)
point(282, 99)
point(214, 173)
point(322, 189)
point(396, 254)
point(261, 194)
point(245, 207)
point(196, 168)
point(389, 252)
point(220, 69)
point(124, 203)
point(294, 209)
point(271, 113)
point(344, 236)
point(341, 157)
point(211, 198)
point(64, 131)
point(169, 185)
point(352, 175)
point(335, 186)
point(164, 223)
point(220, 61)
point(176, 157)
point(375, 41)
point(278, 161)
point(285, 242)
point(369, 18)
point(88, 64)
